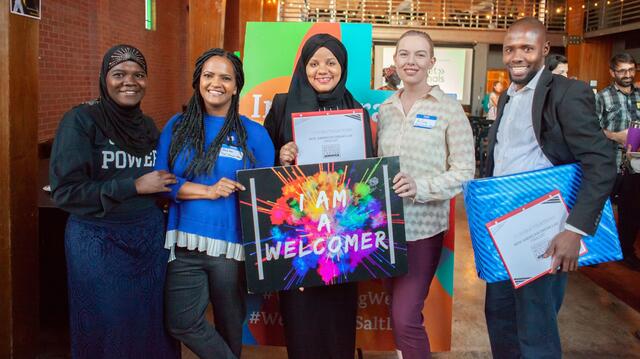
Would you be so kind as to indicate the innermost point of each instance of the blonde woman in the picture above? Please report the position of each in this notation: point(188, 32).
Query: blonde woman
point(432, 136)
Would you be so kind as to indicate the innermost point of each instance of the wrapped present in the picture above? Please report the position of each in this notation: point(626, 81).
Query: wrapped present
point(490, 198)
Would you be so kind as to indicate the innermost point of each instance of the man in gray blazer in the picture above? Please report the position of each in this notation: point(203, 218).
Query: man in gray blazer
point(543, 120)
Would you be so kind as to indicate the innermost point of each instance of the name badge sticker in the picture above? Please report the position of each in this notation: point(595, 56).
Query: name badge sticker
point(425, 121)
point(230, 152)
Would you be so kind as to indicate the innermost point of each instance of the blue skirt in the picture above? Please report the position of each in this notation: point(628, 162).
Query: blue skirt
point(116, 272)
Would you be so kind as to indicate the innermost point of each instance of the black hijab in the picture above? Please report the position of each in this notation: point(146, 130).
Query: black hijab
point(127, 127)
point(302, 97)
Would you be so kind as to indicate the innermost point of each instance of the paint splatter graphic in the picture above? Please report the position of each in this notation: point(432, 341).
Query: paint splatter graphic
point(328, 223)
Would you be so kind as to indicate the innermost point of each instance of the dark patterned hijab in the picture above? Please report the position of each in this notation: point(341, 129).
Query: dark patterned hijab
point(302, 97)
point(127, 127)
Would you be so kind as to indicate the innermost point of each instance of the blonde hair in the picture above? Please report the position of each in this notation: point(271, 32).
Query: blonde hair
point(421, 34)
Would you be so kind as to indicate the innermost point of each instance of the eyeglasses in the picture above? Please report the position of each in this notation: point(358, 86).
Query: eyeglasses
point(630, 70)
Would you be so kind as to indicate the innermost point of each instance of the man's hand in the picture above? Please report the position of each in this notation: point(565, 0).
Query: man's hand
point(564, 250)
point(619, 137)
point(628, 153)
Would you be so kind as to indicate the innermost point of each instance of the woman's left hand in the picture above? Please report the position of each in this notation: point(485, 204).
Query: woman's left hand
point(404, 185)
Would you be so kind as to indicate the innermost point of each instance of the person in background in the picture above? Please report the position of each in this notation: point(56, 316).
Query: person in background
point(101, 171)
point(617, 105)
point(543, 121)
point(557, 64)
point(319, 322)
point(433, 137)
point(204, 147)
point(392, 81)
point(485, 103)
point(497, 89)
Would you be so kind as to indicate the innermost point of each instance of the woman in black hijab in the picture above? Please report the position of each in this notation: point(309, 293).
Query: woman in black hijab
point(101, 172)
point(320, 321)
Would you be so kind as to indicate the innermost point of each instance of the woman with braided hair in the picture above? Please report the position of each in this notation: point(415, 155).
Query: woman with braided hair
point(204, 147)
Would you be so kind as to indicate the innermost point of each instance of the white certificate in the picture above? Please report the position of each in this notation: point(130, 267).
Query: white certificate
point(523, 235)
point(329, 136)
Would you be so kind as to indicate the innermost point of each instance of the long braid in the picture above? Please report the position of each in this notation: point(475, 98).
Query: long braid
point(188, 133)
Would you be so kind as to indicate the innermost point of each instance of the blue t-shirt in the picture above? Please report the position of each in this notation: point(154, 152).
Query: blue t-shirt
point(218, 219)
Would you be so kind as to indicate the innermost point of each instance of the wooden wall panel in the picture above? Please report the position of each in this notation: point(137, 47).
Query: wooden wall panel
point(594, 61)
point(270, 10)
point(243, 11)
point(250, 10)
point(588, 60)
point(18, 187)
point(206, 27)
point(5, 227)
point(232, 26)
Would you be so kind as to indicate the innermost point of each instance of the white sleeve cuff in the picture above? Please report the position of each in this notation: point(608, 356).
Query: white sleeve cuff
point(573, 229)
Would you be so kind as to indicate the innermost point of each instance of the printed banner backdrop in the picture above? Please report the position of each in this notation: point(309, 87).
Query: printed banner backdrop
point(311, 225)
point(271, 50)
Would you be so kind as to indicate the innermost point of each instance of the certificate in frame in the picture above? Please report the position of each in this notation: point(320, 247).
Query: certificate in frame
point(522, 236)
point(329, 136)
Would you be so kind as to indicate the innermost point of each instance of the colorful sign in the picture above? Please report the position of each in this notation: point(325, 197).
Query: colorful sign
point(271, 50)
point(321, 224)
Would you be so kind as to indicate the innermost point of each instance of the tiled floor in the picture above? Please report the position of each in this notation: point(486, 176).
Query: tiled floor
point(618, 279)
point(593, 322)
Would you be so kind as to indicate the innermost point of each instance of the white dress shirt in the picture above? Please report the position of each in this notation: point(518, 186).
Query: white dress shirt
point(517, 149)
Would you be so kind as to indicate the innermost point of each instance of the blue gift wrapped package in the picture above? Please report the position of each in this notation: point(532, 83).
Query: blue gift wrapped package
point(490, 198)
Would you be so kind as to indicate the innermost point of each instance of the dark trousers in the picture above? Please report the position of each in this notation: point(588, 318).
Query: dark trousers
point(193, 280)
point(523, 323)
point(408, 293)
point(627, 196)
point(320, 322)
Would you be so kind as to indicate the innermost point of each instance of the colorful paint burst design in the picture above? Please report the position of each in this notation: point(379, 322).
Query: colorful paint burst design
point(325, 224)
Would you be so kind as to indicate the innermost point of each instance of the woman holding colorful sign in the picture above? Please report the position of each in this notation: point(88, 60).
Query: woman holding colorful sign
point(432, 136)
point(320, 321)
point(204, 147)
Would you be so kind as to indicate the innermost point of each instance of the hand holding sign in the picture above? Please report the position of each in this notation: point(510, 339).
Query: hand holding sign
point(404, 185)
point(288, 153)
point(223, 188)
